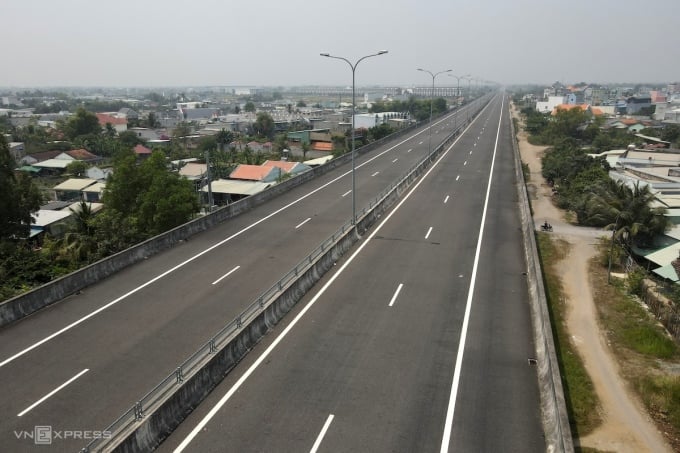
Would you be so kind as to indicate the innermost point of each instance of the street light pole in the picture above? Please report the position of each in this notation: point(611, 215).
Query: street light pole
point(611, 248)
point(354, 67)
point(432, 102)
point(455, 117)
point(468, 77)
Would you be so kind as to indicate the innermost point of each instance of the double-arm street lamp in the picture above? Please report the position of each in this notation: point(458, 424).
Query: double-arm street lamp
point(468, 78)
point(354, 67)
point(457, 95)
point(435, 74)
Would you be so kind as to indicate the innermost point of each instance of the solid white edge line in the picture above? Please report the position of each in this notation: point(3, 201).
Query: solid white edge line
point(448, 424)
point(198, 255)
point(226, 275)
point(305, 221)
point(41, 400)
point(427, 235)
point(322, 434)
point(234, 388)
point(396, 294)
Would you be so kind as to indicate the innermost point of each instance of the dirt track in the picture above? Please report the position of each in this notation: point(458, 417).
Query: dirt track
point(626, 427)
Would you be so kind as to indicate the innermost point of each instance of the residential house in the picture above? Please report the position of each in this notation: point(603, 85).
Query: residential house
point(72, 188)
point(142, 152)
point(194, 171)
point(17, 150)
point(549, 105)
point(317, 162)
point(119, 124)
point(255, 173)
point(94, 193)
point(226, 191)
point(316, 139)
point(635, 104)
point(99, 174)
point(198, 114)
point(54, 223)
point(146, 134)
point(658, 97)
point(289, 168)
point(369, 120)
point(128, 114)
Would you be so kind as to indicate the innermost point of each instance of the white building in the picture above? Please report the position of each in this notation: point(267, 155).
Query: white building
point(549, 105)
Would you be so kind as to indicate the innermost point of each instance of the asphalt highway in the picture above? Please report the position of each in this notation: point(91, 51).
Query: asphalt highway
point(79, 364)
point(417, 341)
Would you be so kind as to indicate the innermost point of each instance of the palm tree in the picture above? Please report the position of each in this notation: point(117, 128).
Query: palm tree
point(83, 216)
point(627, 211)
point(223, 138)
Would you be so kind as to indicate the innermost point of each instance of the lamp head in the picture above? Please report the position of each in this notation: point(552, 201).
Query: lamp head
point(380, 52)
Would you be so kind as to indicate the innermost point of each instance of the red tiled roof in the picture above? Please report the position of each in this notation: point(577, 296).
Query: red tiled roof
point(45, 155)
point(81, 154)
point(250, 172)
point(141, 149)
point(285, 166)
point(104, 118)
point(322, 146)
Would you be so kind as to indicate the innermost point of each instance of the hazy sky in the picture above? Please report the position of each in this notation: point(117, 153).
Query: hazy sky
point(277, 42)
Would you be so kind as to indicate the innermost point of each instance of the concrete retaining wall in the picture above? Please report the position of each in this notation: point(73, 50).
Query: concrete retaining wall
point(553, 406)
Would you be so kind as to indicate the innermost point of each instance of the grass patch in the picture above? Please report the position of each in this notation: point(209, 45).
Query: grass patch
point(582, 402)
point(661, 395)
point(649, 358)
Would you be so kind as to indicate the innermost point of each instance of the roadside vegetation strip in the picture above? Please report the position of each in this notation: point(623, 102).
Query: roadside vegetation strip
point(582, 401)
point(649, 358)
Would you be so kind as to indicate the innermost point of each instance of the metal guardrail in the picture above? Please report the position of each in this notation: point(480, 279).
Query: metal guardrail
point(231, 330)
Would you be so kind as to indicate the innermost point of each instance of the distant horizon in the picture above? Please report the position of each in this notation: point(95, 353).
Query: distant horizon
point(275, 86)
point(169, 43)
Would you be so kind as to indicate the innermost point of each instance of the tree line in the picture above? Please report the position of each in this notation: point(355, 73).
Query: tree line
point(581, 182)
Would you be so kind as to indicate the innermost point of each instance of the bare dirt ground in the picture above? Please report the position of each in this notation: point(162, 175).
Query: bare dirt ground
point(626, 426)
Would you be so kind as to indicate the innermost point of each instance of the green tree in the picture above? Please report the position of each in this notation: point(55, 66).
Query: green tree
point(224, 138)
point(81, 123)
point(249, 107)
point(264, 125)
point(151, 121)
point(148, 199)
point(129, 139)
point(208, 143)
point(671, 133)
point(380, 131)
point(168, 200)
point(20, 197)
point(77, 168)
point(628, 211)
point(181, 133)
point(566, 123)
